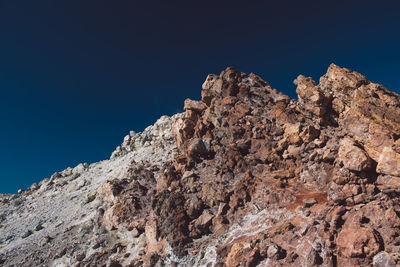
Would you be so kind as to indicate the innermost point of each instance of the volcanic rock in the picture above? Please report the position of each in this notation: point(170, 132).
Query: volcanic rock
point(246, 176)
point(353, 157)
point(389, 162)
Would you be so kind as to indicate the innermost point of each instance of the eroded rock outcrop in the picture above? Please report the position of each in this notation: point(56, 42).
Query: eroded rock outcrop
point(245, 177)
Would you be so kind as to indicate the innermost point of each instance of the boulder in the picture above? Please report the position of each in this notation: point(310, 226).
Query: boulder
point(384, 259)
point(310, 96)
point(358, 242)
point(196, 106)
point(203, 223)
point(389, 162)
point(353, 157)
point(197, 148)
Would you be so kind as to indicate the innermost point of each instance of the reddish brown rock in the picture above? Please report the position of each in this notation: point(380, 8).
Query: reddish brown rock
point(310, 96)
point(196, 106)
point(353, 157)
point(259, 179)
point(269, 152)
point(358, 242)
point(389, 162)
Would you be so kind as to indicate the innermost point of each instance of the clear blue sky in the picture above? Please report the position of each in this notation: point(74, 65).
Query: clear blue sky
point(76, 76)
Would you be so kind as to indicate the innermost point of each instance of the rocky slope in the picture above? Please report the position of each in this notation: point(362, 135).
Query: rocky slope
point(244, 177)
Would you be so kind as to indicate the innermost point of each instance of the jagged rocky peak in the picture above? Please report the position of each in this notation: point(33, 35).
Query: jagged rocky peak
point(246, 176)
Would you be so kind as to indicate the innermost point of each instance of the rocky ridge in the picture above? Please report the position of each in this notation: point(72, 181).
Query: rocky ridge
point(245, 177)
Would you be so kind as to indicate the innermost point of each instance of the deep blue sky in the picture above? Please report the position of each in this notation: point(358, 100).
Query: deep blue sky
point(76, 76)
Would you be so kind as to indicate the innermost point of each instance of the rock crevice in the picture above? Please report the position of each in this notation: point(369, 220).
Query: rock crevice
point(246, 176)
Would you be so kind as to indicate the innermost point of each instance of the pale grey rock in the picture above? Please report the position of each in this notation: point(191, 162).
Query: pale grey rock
point(158, 133)
point(55, 176)
point(64, 207)
point(79, 168)
point(383, 259)
point(67, 172)
point(274, 251)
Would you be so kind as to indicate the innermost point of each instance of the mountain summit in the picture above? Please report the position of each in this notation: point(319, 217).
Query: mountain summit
point(245, 177)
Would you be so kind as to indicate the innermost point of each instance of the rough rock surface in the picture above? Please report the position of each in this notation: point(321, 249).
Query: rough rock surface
point(244, 177)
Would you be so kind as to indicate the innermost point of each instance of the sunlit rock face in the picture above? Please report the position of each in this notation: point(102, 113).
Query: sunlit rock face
point(244, 177)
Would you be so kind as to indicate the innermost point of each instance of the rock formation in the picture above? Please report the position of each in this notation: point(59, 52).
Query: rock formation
point(245, 177)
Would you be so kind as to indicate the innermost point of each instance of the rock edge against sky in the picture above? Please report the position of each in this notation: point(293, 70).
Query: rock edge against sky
point(245, 177)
